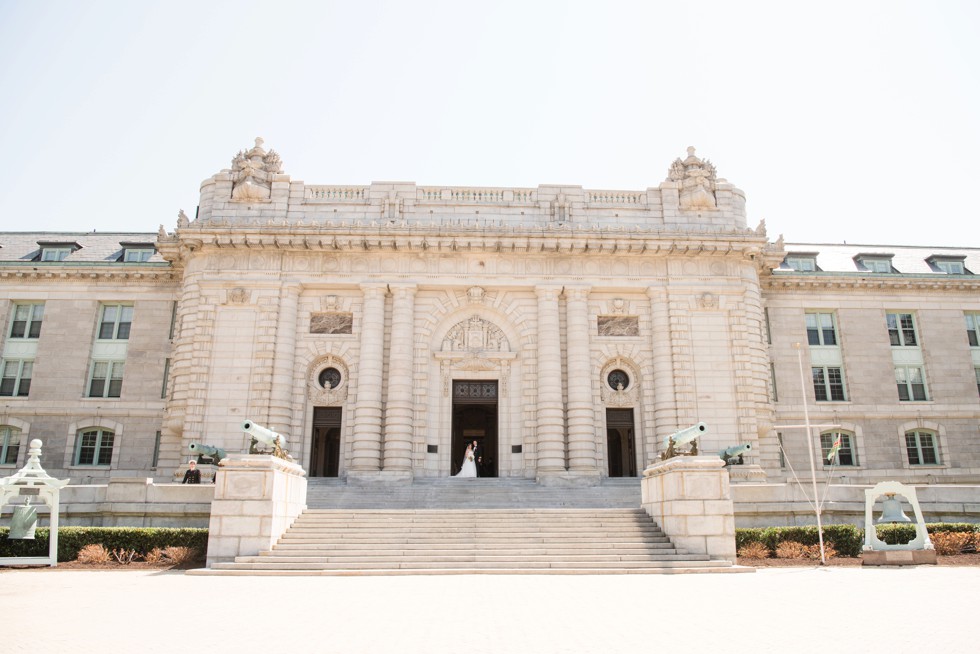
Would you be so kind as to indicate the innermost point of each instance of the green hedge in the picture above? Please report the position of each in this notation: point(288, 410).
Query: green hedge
point(73, 539)
point(847, 539)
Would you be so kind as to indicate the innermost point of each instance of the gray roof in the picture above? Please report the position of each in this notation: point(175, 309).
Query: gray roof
point(906, 259)
point(95, 247)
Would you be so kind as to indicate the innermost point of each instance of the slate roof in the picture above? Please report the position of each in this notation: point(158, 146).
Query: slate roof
point(96, 247)
point(909, 260)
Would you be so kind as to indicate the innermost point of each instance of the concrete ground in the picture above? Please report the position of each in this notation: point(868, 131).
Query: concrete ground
point(836, 610)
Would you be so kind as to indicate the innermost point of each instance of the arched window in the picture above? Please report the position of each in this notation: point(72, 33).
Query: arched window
point(9, 444)
point(922, 447)
point(839, 448)
point(93, 447)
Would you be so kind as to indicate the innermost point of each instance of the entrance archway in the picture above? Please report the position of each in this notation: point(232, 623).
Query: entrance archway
point(475, 419)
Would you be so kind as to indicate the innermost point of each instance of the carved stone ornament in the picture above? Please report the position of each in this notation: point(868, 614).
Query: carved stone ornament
point(697, 180)
point(321, 396)
point(330, 303)
point(475, 335)
point(252, 173)
point(708, 301)
point(238, 295)
point(475, 294)
point(618, 305)
point(619, 396)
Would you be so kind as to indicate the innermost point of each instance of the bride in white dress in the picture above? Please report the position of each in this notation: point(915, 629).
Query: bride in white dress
point(469, 464)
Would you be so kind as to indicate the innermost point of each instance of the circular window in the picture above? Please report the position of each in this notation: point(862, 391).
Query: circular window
point(329, 378)
point(618, 380)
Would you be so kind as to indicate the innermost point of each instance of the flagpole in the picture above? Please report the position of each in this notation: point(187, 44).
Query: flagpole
point(809, 442)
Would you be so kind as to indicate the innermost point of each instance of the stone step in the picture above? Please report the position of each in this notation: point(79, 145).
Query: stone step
point(407, 549)
point(471, 565)
point(710, 567)
point(434, 558)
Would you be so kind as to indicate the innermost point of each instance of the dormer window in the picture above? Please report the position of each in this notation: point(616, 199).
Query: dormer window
point(802, 262)
point(56, 250)
point(876, 263)
point(948, 265)
point(136, 252)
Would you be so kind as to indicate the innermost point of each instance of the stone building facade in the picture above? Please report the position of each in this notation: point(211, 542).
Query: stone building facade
point(568, 331)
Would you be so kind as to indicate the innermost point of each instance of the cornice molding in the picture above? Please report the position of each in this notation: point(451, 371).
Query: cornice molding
point(90, 274)
point(810, 282)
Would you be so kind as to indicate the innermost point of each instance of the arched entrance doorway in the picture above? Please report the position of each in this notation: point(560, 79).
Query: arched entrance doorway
point(475, 419)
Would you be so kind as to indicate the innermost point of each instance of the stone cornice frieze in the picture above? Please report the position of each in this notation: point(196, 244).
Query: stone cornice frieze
point(891, 283)
point(89, 273)
point(470, 237)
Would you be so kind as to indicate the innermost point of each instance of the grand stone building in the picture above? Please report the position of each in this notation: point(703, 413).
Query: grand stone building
point(567, 330)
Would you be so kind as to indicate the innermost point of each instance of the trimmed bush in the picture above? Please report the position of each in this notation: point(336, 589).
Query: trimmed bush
point(754, 550)
point(72, 539)
point(847, 540)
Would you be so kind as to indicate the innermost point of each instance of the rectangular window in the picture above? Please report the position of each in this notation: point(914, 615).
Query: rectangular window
point(137, 255)
point(173, 319)
point(828, 384)
point(973, 329)
point(901, 329)
point(911, 384)
point(768, 327)
point(9, 445)
point(106, 379)
point(116, 322)
point(27, 321)
point(878, 265)
point(16, 378)
point(782, 453)
point(976, 371)
point(921, 448)
point(820, 329)
point(774, 394)
point(802, 263)
point(55, 254)
point(950, 267)
point(156, 449)
point(166, 374)
point(846, 455)
point(94, 448)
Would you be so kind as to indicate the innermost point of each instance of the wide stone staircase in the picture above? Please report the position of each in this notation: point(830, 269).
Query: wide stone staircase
point(476, 526)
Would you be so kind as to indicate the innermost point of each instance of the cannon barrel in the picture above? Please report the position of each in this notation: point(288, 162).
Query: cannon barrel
point(263, 435)
point(210, 451)
point(734, 451)
point(686, 435)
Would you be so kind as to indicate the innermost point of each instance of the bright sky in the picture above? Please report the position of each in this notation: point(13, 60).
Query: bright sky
point(842, 121)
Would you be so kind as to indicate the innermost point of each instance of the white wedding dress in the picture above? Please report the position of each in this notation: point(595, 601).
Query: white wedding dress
point(469, 466)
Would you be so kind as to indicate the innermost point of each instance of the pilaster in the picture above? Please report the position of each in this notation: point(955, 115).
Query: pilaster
point(280, 408)
point(581, 412)
point(366, 445)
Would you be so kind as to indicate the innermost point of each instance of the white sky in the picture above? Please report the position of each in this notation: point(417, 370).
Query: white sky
point(853, 121)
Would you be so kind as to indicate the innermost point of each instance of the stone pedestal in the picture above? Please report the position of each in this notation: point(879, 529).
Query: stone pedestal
point(899, 557)
point(690, 498)
point(256, 498)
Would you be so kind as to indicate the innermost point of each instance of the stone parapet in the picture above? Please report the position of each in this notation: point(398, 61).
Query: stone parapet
point(256, 499)
point(690, 498)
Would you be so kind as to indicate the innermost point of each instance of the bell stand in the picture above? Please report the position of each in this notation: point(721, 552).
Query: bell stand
point(33, 481)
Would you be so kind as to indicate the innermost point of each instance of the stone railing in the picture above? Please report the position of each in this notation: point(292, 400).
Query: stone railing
point(616, 197)
point(460, 195)
point(337, 193)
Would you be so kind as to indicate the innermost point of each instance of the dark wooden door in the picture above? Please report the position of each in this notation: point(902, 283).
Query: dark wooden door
point(325, 452)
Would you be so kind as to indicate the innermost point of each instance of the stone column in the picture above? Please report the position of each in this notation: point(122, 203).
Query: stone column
point(280, 407)
point(581, 410)
point(664, 403)
point(550, 413)
point(400, 407)
point(366, 445)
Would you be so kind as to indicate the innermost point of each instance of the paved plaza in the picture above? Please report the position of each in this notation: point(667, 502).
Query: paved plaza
point(773, 610)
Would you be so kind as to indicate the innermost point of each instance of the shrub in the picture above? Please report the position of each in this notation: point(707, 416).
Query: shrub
point(180, 555)
point(94, 554)
point(153, 556)
point(754, 550)
point(790, 549)
point(124, 557)
point(72, 539)
point(813, 551)
point(948, 543)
